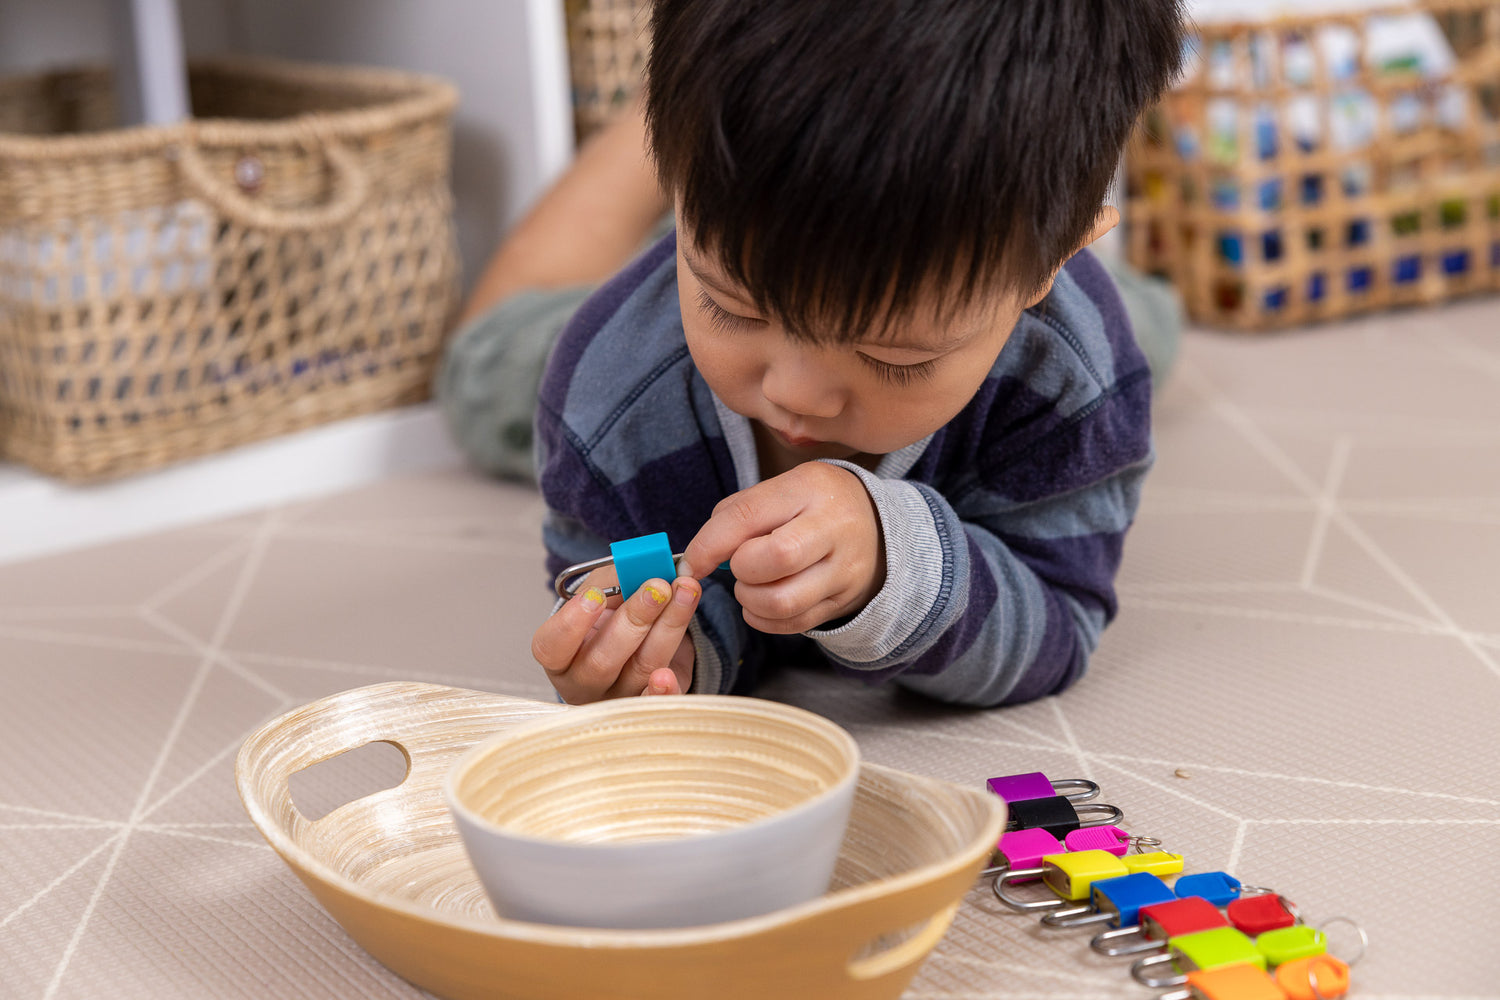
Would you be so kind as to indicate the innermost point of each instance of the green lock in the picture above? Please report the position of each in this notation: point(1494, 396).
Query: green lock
point(1213, 948)
point(1287, 944)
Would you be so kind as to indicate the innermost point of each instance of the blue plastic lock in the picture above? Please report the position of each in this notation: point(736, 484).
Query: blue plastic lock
point(640, 559)
point(1219, 888)
point(1123, 897)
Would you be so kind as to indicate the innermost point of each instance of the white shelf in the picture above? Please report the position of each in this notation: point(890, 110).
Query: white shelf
point(42, 516)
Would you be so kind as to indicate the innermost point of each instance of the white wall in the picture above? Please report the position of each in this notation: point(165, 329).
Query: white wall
point(37, 33)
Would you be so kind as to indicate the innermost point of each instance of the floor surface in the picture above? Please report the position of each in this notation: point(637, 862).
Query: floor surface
point(1303, 688)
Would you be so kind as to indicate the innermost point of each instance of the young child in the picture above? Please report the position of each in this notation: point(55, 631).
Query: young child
point(872, 370)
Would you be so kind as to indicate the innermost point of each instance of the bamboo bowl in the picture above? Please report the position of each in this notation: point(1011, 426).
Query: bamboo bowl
point(390, 868)
point(656, 812)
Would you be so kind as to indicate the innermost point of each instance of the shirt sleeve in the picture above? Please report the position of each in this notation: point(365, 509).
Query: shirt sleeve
point(988, 600)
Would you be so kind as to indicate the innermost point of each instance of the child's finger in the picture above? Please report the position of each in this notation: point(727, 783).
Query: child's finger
point(747, 514)
point(662, 681)
point(786, 551)
point(604, 655)
point(793, 604)
point(662, 641)
point(558, 639)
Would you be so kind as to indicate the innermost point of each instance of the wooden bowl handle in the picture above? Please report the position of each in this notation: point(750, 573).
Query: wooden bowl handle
point(346, 721)
point(927, 902)
point(908, 952)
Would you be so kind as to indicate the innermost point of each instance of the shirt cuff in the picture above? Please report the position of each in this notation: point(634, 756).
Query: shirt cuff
point(913, 575)
point(708, 672)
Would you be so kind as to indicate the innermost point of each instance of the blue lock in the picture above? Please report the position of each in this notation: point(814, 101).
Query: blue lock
point(1116, 901)
point(1219, 888)
point(640, 559)
point(635, 560)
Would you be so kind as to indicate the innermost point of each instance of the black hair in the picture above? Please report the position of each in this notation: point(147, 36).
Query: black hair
point(841, 159)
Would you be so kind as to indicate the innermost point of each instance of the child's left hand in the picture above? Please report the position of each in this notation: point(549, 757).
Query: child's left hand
point(805, 548)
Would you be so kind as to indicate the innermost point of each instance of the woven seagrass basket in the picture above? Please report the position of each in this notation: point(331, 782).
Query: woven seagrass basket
point(608, 41)
point(1316, 167)
point(284, 259)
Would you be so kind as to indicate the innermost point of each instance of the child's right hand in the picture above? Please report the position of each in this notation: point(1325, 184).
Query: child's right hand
point(594, 649)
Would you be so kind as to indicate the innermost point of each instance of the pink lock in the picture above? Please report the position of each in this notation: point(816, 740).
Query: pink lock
point(1026, 848)
point(1096, 838)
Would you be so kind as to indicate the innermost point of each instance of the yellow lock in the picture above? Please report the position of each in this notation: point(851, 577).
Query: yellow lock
point(1073, 875)
point(1155, 862)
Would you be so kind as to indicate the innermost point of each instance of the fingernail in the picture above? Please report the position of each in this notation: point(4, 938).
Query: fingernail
point(658, 689)
point(684, 595)
point(592, 598)
point(657, 597)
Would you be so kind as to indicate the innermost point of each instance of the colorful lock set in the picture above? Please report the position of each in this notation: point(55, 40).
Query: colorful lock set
point(1205, 931)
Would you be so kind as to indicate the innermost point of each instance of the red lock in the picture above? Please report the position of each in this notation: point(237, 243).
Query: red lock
point(1158, 922)
point(1257, 914)
point(1180, 916)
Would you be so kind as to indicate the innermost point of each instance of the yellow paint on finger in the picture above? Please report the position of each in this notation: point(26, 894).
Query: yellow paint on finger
point(658, 597)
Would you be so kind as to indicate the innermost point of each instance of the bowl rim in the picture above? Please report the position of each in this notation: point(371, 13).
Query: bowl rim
point(657, 705)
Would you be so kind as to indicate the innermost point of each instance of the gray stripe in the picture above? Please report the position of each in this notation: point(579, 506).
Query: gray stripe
point(914, 568)
point(741, 442)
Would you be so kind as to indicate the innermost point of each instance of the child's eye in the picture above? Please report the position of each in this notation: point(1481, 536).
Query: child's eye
point(720, 318)
point(901, 375)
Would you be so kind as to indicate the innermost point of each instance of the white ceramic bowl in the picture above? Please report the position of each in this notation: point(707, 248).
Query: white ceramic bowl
point(656, 812)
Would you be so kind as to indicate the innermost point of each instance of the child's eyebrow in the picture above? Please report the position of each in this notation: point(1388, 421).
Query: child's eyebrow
point(707, 279)
point(947, 345)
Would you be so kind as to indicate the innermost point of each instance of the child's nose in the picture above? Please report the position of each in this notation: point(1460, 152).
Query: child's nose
point(798, 385)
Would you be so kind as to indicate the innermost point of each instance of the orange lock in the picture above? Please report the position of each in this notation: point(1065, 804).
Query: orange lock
point(1296, 978)
point(1241, 981)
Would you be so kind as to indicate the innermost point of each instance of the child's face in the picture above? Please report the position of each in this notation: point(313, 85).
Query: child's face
point(835, 400)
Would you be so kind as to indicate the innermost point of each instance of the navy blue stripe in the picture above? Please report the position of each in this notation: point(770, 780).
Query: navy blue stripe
point(1109, 434)
point(597, 310)
point(1059, 661)
point(1084, 565)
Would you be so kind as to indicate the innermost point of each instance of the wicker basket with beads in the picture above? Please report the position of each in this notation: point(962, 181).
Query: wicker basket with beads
point(1316, 167)
point(285, 258)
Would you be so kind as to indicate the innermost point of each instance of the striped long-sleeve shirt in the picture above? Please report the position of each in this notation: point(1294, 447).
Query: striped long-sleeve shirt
point(1002, 530)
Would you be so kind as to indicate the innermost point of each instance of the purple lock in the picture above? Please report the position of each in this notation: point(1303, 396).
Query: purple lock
point(1020, 787)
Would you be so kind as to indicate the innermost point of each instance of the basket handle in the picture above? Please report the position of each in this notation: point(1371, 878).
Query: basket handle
point(351, 187)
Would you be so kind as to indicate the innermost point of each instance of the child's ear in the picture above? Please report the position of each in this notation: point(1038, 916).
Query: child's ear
point(1107, 219)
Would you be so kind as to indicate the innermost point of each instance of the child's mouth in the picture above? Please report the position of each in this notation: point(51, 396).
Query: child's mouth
point(797, 440)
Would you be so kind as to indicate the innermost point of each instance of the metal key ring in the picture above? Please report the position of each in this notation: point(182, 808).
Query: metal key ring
point(1364, 938)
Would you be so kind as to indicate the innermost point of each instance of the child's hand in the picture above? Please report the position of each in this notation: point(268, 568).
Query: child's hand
point(805, 548)
point(593, 649)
